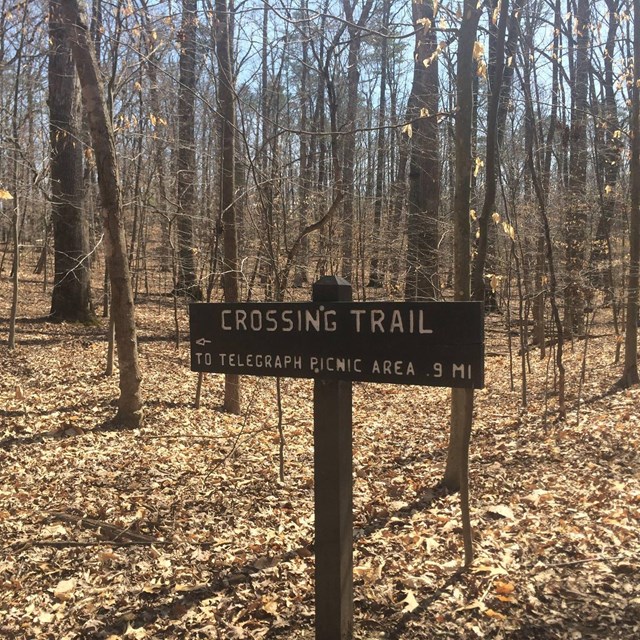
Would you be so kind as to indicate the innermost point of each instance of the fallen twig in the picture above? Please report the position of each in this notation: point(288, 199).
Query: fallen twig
point(105, 527)
point(63, 544)
point(570, 563)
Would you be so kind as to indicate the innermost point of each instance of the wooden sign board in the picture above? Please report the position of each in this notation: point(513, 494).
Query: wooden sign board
point(428, 343)
point(336, 341)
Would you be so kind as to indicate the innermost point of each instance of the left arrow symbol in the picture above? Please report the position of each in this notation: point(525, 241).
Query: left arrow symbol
point(202, 341)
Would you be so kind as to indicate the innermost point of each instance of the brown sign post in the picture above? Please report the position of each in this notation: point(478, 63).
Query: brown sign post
point(333, 485)
point(336, 341)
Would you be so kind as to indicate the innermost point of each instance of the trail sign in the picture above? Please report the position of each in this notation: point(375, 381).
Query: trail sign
point(336, 341)
point(423, 343)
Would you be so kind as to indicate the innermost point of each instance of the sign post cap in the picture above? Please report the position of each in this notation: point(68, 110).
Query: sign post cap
point(331, 288)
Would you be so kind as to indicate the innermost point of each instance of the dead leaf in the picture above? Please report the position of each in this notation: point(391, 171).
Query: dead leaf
point(494, 614)
point(65, 589)
point(410, 602)
point(500, 511)
point(506, 598)
point(137, 634)
point(187, 588)
point(504, 588)
point(537, 496)
point(270, 606)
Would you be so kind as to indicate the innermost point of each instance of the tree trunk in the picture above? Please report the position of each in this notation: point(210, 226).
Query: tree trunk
point(122, 308)
point(306, 157)
point(230, 280)
point(609, 166)
point(462, 399)
point(349, 139)
point(187, 281)
point(540, 185)
point(348, 159)
point(15, 218)
point(71, 297)
point(576, 216)
point(153, 63)
point(496, 72)
point(630, 374)
point(424, 170)
point(375, 277)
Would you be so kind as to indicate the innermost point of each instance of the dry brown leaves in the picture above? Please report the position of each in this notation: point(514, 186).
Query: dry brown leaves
point(556, 506)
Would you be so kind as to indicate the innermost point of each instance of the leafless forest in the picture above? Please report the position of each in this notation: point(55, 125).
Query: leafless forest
point(159, 152)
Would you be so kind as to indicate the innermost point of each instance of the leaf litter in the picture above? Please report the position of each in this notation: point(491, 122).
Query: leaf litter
point(182, 529)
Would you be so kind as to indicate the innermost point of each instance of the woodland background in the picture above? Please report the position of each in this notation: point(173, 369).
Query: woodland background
point(155, 153)
point(343, 151)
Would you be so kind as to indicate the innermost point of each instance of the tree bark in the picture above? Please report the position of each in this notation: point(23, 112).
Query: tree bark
point(226, 99)
point(576, 216)
point(375, 277)
point(609, 166)
point(187, 281)
point(349, 139)
point(496, 73)
point(306, 155)
point(424, 169)
point(630, 375)
point(15, 217)
point(71, 296)
point(122, 307)
point(462, 399)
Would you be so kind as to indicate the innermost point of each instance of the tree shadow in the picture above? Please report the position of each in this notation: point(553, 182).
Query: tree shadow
point(9, 442)
point(163, 604)
point(426, 500)
point(401, 626)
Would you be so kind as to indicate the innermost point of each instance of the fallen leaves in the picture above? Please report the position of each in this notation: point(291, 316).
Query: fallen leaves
point(184, 531)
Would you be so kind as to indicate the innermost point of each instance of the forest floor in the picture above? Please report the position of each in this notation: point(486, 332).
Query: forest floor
point(182, 529)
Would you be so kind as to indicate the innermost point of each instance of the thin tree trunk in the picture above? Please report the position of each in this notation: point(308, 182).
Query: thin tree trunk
point(496, 72)
point(424, 171)
point(122, 307)
point(158, 144)
point(306, 158)
point(15, 221)
point(630, 374)
point(349, 139)
point(375, 277)
point(609, 167)
point(226, 98)
point(462, 399)
point(576, 216)
point(187, 152)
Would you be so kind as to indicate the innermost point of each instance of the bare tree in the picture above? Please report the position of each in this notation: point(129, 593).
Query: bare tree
point(187, 281)
point(349, 140)
point(375, 276)
point(226, 100)
point(15, 218)
point(71, 297)
point(630, 375)
point(424, 172)
point(576, 214)
point(455, 475)
point(497, 33)
point(122, 307)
